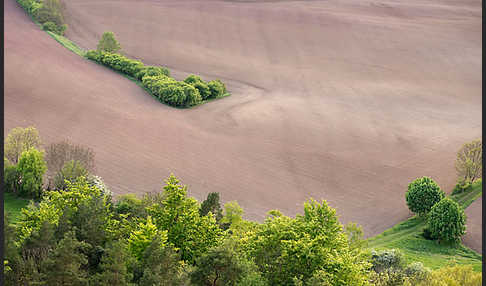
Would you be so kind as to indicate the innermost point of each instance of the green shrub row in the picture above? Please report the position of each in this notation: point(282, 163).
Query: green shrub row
point(192, 91)
point(47, 12)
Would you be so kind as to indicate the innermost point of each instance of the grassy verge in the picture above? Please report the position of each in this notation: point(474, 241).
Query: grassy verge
point(13, 205)
point(407, 236)
point(68, 44)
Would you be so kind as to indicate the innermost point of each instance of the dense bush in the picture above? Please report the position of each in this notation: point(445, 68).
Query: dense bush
point(217, 88)
point(446, 221)
point(200, 85)
point(386, 259)
point(152, 71)
point(192, 91)
point(422, 194)
point(51, 26)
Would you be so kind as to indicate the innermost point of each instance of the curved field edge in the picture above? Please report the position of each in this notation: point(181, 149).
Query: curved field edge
point(407, 236)
point(73, 47)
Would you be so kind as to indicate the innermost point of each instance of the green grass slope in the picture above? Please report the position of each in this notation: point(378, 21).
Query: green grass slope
point(407, 236)
point(13, 205)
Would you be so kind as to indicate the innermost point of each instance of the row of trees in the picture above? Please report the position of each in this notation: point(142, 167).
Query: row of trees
point(49, 13)
point(446, 220)
point(80, 236)
point(28, 169)
point(76, 234)
point(192, 91)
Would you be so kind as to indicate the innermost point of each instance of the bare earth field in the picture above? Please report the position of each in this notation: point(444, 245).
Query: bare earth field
point(473, 237)
point(345, 100)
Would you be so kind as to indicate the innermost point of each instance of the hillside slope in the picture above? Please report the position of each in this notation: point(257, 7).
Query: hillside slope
point(330, 99)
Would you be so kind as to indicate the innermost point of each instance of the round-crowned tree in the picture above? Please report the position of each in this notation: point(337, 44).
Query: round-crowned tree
point(446, 221)
point(423, 193)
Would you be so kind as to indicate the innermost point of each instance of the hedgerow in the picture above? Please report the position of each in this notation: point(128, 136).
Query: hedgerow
point(190, 92)
point(47, 12)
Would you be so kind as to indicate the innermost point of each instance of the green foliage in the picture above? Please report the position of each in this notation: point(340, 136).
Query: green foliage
point(141, 237)
point(113, 266)
point(219, 266)
point(108, 43)
point(233, 214)
point(53, 204)
point(49, 14)
point(158, 82)
point(211, 204)
point(355, 235)
point(407, 236)
point(71, 172)
point(386, 259)
point(160, 266)
point(469, 162)
point(200, 85)
point(285, 248)
point(152, 71)
point(461, 186)
point(64, 264)
point(457, 275)
point(190, 233)
point(31, 168)
point(19, 140)
point(130, 205)
point(52, 27)
point(422, 194)
point(11, 179)
point(216, 88)
point(447, 221)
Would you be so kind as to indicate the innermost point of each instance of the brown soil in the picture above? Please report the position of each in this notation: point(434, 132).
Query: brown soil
point(346, 101)
point(474, 230)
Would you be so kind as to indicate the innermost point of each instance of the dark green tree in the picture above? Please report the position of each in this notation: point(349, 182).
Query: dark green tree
point(422, 194)
point(212, 204)
point(160, 264)
point(446, 221)
point(219, 266)
point(64, 264)
point(114, 266)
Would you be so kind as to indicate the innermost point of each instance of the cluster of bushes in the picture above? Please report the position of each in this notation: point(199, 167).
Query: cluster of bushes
point(47, 12)
point(446, 220)
point(190, 92)
point(389, 269)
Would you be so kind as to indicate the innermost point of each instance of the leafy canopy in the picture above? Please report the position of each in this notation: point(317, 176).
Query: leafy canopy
point(422, 194)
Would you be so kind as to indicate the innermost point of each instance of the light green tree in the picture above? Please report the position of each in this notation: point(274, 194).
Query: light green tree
point(469, 162)
point(108, 43)
point(31, 169)
point(190, 233)
point(286, 248)
point(141, 237)
point(19, 140)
